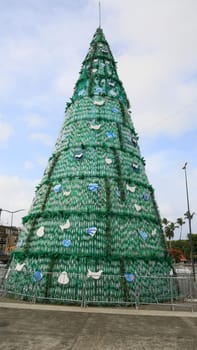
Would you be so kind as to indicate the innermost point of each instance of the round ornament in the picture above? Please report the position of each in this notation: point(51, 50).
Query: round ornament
point(66, 243)
point(37, 276)
point(110, 135)
point(129, 277)
point(143, 235)
point(145, 196)
point(57, 188)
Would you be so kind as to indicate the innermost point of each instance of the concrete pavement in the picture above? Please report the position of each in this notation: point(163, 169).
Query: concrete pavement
point(46, 327)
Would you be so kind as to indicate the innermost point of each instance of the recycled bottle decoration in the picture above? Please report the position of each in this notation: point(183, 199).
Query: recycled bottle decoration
point(37, 276)
point(57, 188)
point(19, 267)
point(108, 161)
point(94, 275)
point(63, 278)
point(129, 277)
point(93, 187)
point(66, 243)
point(65, 226)
point(40, 231)
point(93, 230)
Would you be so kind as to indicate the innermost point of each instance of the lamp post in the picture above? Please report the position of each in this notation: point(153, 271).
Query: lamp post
point(189, 221)
point(12, 214)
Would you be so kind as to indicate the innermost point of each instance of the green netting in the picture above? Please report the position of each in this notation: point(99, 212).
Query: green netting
point(94, 209)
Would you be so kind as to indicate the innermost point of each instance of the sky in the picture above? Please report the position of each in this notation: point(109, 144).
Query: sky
point(42, 46)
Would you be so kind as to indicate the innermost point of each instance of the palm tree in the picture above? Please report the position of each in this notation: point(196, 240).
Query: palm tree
point(169, 228)
point(180, 222)
point(188, 215)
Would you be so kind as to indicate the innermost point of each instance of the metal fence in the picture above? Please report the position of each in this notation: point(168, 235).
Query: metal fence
point(176, 291)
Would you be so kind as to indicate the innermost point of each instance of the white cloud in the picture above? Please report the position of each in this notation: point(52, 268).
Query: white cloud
point(42, 138)
point(16, 193)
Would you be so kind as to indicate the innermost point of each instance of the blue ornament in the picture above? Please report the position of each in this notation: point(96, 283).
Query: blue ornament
point(37, 276)
point(115, 110)
point(81, 92)
point(118, 192)
point(98, 89)
point(93, 187)
point(19, 243)
point(57, 188)
point(110, 135)
point(78, 156)
point(145, 196)
point(144, 235)
point(129, 277)
point(91, 230)
point(66, 243)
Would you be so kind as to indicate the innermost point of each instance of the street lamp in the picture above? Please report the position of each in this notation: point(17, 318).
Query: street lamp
point(12, 214)
point(189, 217)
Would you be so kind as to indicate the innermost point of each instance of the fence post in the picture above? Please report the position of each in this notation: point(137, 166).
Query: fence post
point(171, 293)
point(83, 301)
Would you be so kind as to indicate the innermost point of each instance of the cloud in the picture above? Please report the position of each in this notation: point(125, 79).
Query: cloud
point(16, 193)
point(43, 138)
point(6, 131)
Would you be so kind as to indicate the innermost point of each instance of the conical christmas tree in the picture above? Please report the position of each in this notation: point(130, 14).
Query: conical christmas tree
point(93, 232)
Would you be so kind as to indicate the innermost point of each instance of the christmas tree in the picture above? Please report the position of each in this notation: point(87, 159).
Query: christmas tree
point(93, 231)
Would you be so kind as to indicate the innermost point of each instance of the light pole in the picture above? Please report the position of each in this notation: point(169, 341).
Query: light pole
point(12, 214)
point(189, 216)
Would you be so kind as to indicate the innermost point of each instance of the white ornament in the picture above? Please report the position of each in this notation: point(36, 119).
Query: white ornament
point(137, 207)
point(67, 193)
point(171, 272)
point(19, 267)
point(108, 161)
point(131, 189)
point(95, 127)
point(94, 275)
point(154, 232)
point(63, 278)
point(99, 102)
point(65, 226)
point(40, 231)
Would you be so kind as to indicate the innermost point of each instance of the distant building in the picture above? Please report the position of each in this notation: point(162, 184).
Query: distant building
point(8, 238)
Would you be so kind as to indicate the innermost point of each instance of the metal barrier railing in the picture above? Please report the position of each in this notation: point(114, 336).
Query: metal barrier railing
point(108, 290)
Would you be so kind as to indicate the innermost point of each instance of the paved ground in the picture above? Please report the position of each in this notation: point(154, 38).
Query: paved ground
point(40, 327)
